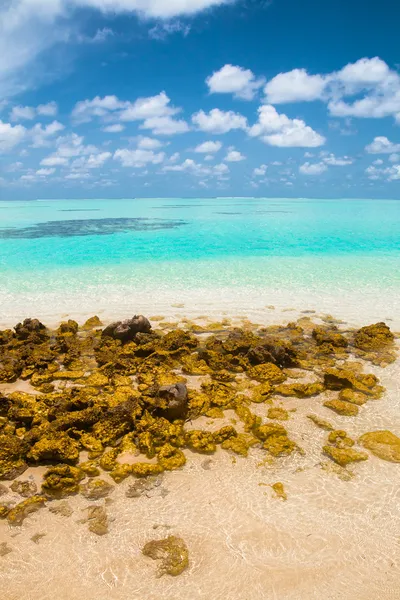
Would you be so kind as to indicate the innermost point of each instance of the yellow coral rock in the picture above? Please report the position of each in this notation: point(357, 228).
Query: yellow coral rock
point(342, 408)
point(266, 372)
point(18, 514)
point(278, 413)
point(279, 490)
point(344, 456)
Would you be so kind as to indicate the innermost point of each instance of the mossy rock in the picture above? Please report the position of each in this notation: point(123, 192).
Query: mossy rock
point(146, 469)
point(92, 323)
point(18, 514)
point(280, 414)
point(171, 458)
point(384, 444)
point(55, 447)
point(342, 408)
point(201, 441)
point(266, 373)
point(321, 423)
point(344, 456)
point(12, 456)
point(373, 337)
point(279, 490)
point(62, 480)
point(299, 390)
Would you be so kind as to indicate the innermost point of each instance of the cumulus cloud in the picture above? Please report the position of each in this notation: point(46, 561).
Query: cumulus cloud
point(116, 128)
point(235, 80)
point(28, 113)
point(67, 147)
point(219, 171)
point(374, 85)
point(382, 145)
point(312, 168)
point(234, 156)
point(260, 171)
point(218, 121)
point(391, 173)
point(138, 158)
point(165, 125)
point(11, 136)
point(294, 86)
point(208, 147)
point(278, 129)
point(147, 143)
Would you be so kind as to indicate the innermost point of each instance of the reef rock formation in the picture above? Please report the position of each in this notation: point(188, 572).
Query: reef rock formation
point(126, 331)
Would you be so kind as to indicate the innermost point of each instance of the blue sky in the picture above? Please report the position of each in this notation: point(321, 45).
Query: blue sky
point(128, 98)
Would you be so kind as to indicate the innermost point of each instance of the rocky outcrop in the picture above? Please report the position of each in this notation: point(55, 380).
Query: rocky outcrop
point(125, 331)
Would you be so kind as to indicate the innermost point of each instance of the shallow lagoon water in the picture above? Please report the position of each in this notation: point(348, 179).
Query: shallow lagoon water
point(142, 254)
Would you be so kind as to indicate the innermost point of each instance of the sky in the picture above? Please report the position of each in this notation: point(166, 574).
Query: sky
point(193, 98)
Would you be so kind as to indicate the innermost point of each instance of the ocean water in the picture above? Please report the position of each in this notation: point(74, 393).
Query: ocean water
point(82, 255)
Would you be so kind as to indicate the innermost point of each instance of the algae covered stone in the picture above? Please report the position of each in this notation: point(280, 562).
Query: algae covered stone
point(373, 337)
point(24, 488)
point(344, 456)
point(279, 490)
point(342, 407)
point(62, 480)
point(18, 514)
point(171, 551)
point(384, 444)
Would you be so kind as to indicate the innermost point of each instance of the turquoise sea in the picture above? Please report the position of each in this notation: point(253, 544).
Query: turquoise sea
point(95, 249)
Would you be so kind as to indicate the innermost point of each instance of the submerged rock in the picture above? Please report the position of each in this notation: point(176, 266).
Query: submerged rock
point(98, 520)
point(279, 490)
point(61, 481)
point(171, 551)
point(344, 456)
point(321, 423)
point(383, 444)
point(18, 514)
point(24, 488)
point(125, 331)
point(341, 407)
point(61, 508)
point(96, 488)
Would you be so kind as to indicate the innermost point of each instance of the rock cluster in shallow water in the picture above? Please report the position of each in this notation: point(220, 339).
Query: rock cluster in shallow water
point(126, 390)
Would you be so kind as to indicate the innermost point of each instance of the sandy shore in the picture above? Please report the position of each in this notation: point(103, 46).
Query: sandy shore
point(336, 537)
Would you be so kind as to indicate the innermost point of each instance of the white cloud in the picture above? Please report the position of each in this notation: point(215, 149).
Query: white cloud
point(47, 110)
point(165, 125)
point(116, 128)
point(10, 136)
point(28, 113)
point(147, 108)
point(93, 161)
point(260, 171)
point(279, 130)
point(234, 156)
point(218, 122)
point(138, 158)
point(333, 160)
point(382, 145)
point(68, 146)
point(209, 157)
point(54, 161)
point(153, 8)
point(174, 158)
point(234, 80)
point(45, 172)
point(394, 158)
point(219, 171)
point(294, 86)
point(85, 110)
point(22, 113)
point(379, 162)
point(147, 143)
point(312, 169)
point(391, 173)
point(161, 30)
point(41, 135)
point(208, 147)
